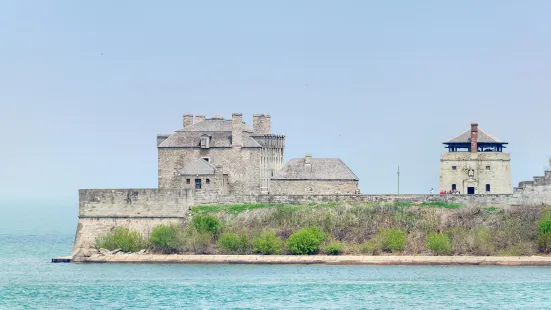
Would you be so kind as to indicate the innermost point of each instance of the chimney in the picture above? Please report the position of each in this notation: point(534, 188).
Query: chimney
point(268, 124)
point(199, 118)
point(474, 137)
point(188, 120)
point(308, 159)
point(236, 130)
point(261, 124)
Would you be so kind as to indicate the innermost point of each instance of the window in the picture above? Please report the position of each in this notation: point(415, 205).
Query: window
point(205, 159)
point(197, 183)
point(207, 181)
point(488, 168)
point(205, 142)
point(454, 187)
point(488, 188)
point(188, 181)
point(454, 168)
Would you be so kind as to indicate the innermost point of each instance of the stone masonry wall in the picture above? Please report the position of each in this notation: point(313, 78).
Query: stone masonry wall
point(304, 187)
point(100, 210)
point(241, 164)
point(493, 168)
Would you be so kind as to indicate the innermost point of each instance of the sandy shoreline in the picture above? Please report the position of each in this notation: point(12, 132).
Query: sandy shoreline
point(319, 260)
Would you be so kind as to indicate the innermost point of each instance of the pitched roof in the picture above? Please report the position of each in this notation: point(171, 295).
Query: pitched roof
point(483, 137)
point(198, 167)
point(193, 139)
point(215, 124)
point(320, 169)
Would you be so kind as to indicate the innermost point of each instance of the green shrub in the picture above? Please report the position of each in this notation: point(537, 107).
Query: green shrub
point(305, 241)
point(167, 238)
point(232, 243)
point(393, 240)
point(334, 248)
point(439, 244)
point(206, 224)
point(267, 243)
point(544, 231)
point(372, 247)
point(197, 242)
point(121, 238)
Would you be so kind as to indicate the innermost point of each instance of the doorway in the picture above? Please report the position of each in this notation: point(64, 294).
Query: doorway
point(470, 190)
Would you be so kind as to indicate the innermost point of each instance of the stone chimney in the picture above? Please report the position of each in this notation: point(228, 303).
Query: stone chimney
point(237, 130)
point(474, 137)
point(188, 120)
point(261, 124)
point(308, 159)
point(199, 118)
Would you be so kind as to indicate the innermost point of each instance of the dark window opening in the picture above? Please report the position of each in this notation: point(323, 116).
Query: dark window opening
point(488, 188)
point(454, 168)
point(208, 181)
point(205, 159)
point(470, 190)
point(197, 183)
point(188, 181)
point(488, 168)
point(454, 187)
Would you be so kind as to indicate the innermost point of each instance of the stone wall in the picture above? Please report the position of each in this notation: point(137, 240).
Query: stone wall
point(304, 187)
point(241, 164)
point(100, 210)
point(493, 168)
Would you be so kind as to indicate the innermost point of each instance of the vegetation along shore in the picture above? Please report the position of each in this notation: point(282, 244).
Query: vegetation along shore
point(426, 229)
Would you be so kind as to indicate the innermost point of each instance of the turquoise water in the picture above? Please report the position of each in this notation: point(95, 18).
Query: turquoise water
point(29, 280)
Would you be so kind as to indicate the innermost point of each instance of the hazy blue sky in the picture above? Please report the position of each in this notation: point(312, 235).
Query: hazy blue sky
point(86, 86)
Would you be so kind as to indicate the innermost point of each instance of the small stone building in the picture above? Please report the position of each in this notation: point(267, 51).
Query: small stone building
point(476, 164)
point(303, 176)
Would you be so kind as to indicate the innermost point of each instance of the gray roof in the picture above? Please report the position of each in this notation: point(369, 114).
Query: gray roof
point(320, 169)
point(198, 167)
point(193, 139)
point(483, 137)
point(215, 124)
point(220, 131)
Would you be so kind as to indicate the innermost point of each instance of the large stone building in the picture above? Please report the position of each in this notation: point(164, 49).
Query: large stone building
point(231, 157)
point(476, 164)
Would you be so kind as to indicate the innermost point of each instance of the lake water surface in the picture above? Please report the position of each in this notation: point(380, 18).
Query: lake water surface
point(29, 280)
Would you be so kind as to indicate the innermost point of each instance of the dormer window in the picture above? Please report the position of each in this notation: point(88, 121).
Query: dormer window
point(205, 142)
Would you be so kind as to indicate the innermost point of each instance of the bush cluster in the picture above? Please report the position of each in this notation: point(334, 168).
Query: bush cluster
point(305, 241)
point(441, 229)
point(233, 244)
point(439, 244)
point(267, 243)
point(121, 238)
point(167, 238)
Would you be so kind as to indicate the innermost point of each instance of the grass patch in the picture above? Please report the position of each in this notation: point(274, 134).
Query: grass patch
point(490, 209)
point(439, 204)
point(232, 209)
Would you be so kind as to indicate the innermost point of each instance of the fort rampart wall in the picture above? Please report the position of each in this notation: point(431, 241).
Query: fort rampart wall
point(142, 209)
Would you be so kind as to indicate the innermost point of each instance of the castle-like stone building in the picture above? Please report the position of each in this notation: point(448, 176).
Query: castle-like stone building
point(476, 164)
point(231, 157)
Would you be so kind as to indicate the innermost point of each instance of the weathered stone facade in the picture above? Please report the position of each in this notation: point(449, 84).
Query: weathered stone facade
point(482, 169)
point(230, 157)
point(477, 170)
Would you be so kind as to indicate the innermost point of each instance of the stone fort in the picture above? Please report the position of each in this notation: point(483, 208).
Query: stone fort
point(221, 161)
point(230, 157)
